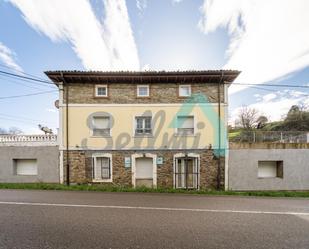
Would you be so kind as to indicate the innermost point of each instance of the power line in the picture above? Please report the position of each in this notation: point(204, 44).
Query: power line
point(24, 118)
point(25, 80)
point(20, 71)
point(21, 83)
point(20, 121)
point(273, 85)
point(26, 95)
point(26, 77)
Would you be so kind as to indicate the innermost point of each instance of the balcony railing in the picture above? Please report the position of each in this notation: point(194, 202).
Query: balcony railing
point(50, 139)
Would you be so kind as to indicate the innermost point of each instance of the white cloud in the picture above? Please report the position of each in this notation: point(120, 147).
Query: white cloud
point(269, 38)
point(146, 67)
point(276, 106)
point(8, 57)
point(141, 5)
point(100, 46)
point(51, 110)
point(269, 97)
point(176, 1)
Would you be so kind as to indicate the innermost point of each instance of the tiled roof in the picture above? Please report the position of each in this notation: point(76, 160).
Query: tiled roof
point(75, 76)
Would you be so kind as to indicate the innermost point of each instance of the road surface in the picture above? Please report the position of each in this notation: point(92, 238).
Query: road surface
point(64, 219)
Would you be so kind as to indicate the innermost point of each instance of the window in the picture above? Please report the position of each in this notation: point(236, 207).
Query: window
point(26, 167)
point(185, 125)
point(143, 125)
point(142, 91)
point(270, 169)
point(101, 91)
point(101, 126)
point(185, 90)
point(101, 168)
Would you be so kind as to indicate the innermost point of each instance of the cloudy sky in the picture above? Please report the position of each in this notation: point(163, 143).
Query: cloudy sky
point(268, 40)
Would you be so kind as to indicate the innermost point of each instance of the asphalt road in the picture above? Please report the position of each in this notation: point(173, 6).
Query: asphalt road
point(59, 219)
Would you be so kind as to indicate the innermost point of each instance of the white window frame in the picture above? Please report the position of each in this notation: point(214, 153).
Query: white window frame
point(194, 125)
point(135, 126)
point(101, 86)
point(179, 92)
point(93, 126)
point(94, 160)
point(142, 96)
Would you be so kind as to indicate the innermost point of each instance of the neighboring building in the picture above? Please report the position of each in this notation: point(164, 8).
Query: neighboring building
point(268, 166)
point(29, 158)
point(143, 128)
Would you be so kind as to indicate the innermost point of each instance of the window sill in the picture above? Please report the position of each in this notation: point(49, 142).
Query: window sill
point(142, 136)
point(107, 136)
point(271, 177)
point(97, 181)
point(184, 135)
point(184, 97)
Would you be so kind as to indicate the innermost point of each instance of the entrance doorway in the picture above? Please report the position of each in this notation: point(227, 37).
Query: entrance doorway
point(186, 170)
point(144, 172)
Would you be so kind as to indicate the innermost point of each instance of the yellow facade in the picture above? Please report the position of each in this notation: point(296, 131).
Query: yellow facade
point(122, 131)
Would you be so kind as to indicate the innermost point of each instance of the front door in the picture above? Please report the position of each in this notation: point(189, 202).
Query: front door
point(144, 172)
point(186, 173)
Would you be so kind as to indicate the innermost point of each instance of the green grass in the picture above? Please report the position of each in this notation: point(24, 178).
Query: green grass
point(115, 188)
point(234, 134)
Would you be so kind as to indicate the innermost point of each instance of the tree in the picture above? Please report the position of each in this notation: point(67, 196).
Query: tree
point(261, 121)
point(3, 131)
point(247, 117)
point(15, 131)
point(11, 131)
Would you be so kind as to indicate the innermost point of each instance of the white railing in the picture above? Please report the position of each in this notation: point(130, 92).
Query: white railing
point(50, 139)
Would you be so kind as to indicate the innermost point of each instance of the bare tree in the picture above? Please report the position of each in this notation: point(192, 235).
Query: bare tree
point(247, 117)
point(11, 130)
point(3, 131)
point(15, 131)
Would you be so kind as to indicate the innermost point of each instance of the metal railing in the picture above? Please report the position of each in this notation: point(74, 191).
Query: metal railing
point(271, 136)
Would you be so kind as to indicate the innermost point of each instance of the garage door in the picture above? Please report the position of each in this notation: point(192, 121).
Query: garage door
point(144, 172)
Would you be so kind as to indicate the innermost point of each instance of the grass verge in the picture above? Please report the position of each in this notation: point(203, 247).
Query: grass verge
point(115, 188)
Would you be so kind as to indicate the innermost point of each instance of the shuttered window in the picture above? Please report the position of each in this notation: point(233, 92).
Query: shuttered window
point(185, 125)
point(101, 126)
point(25, 167)
point(101, 168)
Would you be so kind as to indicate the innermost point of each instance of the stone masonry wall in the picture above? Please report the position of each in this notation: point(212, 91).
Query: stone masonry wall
point(126, 93)
point(81, 168)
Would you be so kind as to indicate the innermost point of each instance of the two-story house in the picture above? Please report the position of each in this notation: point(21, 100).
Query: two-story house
point(158, 129)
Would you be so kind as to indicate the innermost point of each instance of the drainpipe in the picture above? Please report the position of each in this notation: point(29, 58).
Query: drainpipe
point(67, 129)
point(219, 131)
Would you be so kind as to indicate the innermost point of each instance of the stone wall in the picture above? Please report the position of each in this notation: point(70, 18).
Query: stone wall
point(81, 167)
point(126, 93)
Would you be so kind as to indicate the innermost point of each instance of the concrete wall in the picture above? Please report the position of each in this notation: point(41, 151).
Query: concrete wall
point(243, 166)
point(47, 163)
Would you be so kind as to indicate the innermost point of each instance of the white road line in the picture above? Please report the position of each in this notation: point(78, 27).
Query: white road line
point(152, 208)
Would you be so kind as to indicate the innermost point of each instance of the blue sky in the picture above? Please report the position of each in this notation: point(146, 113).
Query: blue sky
point(267, 40)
